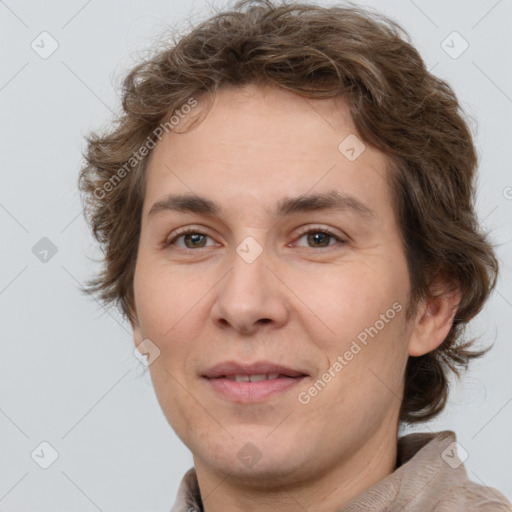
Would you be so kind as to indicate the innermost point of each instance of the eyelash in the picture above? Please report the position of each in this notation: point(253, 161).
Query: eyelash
point(326, 231)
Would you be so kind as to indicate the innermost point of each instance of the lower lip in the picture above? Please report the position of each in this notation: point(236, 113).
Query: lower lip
point(249, 392)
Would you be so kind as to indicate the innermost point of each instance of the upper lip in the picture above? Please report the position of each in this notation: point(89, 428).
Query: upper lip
point(234, 368)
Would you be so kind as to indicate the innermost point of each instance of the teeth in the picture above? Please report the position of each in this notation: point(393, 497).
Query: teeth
point(252, 378)
point(257, 378)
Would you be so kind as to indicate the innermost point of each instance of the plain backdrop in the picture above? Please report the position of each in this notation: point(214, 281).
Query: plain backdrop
point(69, 378)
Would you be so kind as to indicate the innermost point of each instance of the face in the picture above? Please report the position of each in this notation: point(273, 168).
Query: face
point(257, 271)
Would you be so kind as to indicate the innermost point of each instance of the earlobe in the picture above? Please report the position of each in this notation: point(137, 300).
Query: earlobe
point(434, 319)
point(136, 331)
point(137, 335)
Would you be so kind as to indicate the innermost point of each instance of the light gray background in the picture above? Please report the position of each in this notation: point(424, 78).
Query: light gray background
point(69, 376)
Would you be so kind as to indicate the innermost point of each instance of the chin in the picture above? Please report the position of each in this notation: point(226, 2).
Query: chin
point(256, 455)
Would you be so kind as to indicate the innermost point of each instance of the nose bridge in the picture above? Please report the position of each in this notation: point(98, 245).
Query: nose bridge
point(249, 266)
point(249, 294)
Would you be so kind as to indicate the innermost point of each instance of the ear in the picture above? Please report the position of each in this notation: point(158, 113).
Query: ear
point(136, 332)
point(434, 317)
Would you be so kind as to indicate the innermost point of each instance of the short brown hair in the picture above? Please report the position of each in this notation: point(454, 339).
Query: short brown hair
point(397, 106)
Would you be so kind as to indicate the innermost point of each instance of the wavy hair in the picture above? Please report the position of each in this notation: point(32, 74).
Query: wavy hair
point(397, 106)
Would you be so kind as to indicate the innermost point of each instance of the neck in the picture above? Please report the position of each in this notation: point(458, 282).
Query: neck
point(325, 489)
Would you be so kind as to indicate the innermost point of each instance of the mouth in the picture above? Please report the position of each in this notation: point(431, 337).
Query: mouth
point(258, 377)
point(250, 383)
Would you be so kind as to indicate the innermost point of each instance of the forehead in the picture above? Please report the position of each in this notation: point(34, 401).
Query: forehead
point(256, 146)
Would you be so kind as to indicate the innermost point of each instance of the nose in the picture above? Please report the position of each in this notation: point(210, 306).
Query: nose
point(250, 296)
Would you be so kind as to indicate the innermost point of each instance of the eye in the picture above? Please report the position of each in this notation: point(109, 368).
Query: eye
point(320, 237)
point(192, 238)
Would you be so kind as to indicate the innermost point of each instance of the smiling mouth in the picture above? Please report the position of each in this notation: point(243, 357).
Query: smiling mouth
point(252, 378)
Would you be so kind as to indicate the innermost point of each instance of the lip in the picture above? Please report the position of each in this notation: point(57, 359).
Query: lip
point(251, 392)
point(234, 368)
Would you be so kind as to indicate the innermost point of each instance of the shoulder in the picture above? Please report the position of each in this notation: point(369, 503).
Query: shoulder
point(474, 497)
point(433, 477)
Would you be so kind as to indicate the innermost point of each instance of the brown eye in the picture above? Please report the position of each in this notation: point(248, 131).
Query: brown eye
point(195, 239)
point(189, 239)
point(320, 238)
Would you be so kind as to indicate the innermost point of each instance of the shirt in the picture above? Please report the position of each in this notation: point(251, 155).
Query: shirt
point(429, 477)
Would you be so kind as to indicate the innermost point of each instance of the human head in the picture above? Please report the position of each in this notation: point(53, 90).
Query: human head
point(397, 107)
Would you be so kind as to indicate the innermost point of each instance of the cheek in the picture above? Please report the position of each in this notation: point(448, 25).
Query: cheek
point(164, 303)
point(359, 327)
point(344, 302)
point(172, 314)
point(165, 298)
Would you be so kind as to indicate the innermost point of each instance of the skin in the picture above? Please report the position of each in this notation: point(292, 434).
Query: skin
point(301, 303)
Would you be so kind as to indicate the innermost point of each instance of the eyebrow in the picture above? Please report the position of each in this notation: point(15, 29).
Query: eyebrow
point(332, 200)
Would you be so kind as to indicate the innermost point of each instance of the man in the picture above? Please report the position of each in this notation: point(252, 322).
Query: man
point(286, 210)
